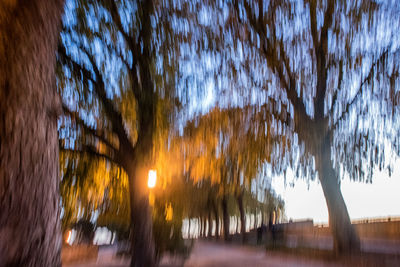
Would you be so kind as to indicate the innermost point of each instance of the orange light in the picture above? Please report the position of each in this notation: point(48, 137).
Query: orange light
point(69, 236)
point(152, 179)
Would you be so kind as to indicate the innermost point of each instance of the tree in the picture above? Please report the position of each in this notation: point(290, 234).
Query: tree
point(93, 188)
point(118, 65)
point(311, 57)
point(29, 106)
point(230, 146)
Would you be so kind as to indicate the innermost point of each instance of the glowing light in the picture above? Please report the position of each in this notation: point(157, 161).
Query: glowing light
point(69, 236)
point(152, 179)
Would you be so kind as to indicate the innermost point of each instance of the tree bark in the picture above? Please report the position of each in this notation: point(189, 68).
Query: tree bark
point(242, 218)
point(225, 218)
point(143, 246)
point(30, 233)
point(345, 237)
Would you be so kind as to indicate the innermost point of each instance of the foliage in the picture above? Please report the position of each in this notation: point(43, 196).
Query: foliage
point(91, 187)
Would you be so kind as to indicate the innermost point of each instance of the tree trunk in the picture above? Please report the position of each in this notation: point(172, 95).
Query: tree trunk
point(209, 224)
point(225, 218)
point(204, 227)
point(255, 218)
point(112, 237)
point(215, 208)
point(344, 235)
point(30, 233)
point(199, 227)
point(189, 228)
point(237, 225)
point(143, 246)
point(242, 217)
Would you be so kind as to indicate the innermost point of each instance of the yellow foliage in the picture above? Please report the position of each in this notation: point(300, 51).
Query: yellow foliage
point(168, 212)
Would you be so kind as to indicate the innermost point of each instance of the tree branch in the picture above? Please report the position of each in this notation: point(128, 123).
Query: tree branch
point(359, 91)
point(271, 54)
point(76, 67)
point(313, 23)
point(112, 48)
point(117, 21)
point(98, 133)
point(340, 80)
point(88, 150)
point(114, 116)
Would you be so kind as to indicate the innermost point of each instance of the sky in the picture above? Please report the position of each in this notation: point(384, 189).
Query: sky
point(379, 199)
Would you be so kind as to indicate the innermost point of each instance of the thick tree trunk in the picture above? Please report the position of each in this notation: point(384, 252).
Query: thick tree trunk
point(215, 208)
point(225, 218)
point(30, 233)
point(344, 234)
point(143, 246)
point(143, 242)
point(242, 217)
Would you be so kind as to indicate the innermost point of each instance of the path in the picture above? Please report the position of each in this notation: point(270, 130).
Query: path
point(216, 254)
point(212, 254)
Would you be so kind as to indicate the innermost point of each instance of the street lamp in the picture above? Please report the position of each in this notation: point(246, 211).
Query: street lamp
point(151, 183)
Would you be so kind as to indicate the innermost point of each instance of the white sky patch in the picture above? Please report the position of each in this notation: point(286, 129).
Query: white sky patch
point(302, 202)
point(379, 199)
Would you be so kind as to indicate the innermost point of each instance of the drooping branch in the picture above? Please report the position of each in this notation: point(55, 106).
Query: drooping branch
point(271, 52)
point(114, 116)
point(328, 18)
point(76, 67)
point(360, 88)
point(130, 39)
point(118, 23)
point(100, 134)
point(313, 23)
point(340, 80)
point(87, 150)
point(112, 48)
point(321, 54)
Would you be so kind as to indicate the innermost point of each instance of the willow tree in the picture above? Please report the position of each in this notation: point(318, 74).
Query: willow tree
point(230, 146)
point(29, 106)
point(117, 84)
point(334, 65)
point(93, 188)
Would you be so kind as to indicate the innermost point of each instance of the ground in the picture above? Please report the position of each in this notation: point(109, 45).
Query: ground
point(221, 255)
point(211, 254)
